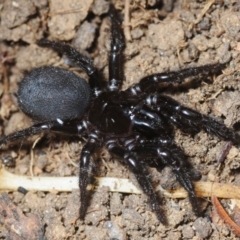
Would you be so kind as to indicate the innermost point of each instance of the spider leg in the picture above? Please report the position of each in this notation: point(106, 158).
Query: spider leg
point(162, 149)
point(85, 172)
point(116, 52)
point(189, 120)
point(52, 126)
point(142, 175)
point(78, 59)
point(151, 82)
point(150, 123)
point(147, 149)
point(169, 154)
point(22, 134)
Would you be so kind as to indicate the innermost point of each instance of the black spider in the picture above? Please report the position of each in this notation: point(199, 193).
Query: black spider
point(135, 124)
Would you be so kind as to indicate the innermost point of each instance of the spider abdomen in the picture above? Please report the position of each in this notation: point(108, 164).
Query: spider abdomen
point(50, 93)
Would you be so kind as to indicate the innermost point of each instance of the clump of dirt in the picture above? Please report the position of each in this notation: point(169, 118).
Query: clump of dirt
point(161, 37)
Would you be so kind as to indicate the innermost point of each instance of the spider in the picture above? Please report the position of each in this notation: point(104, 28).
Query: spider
point(136, 125)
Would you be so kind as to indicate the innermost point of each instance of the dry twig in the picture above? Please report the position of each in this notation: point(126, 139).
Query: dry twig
point(223, 214)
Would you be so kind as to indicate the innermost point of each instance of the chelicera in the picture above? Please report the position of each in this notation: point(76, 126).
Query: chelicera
point(136, 125)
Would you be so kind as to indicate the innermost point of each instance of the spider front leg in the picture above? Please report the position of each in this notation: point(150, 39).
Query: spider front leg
point(151, 82)
point(141, 173)
point(189, 120)
point(163, 151)
point(172, 156)
point(150, 123)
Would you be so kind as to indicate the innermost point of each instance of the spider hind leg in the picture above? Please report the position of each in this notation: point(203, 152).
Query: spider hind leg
point(85, 174)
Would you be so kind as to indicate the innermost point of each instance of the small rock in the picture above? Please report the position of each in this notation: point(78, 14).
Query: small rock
point(203, 227)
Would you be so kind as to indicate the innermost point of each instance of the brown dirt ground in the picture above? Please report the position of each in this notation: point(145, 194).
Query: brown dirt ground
point(163, 39)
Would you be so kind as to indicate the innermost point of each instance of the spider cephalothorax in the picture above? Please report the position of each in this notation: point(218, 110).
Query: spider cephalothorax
point(135, 124)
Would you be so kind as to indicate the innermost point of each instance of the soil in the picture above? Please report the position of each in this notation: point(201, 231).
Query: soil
point(160, 37)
